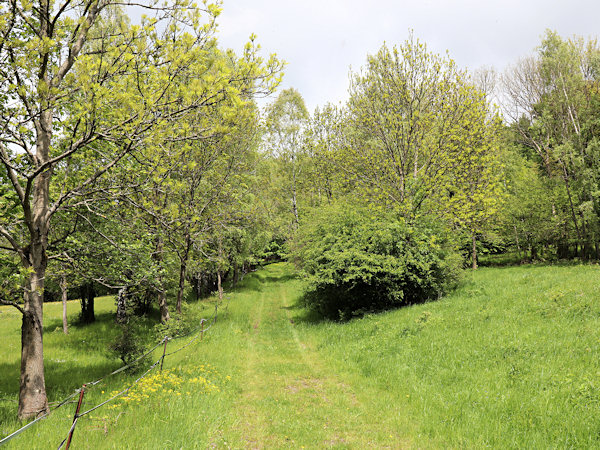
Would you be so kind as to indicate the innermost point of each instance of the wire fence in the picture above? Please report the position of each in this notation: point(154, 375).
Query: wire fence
point(197, 333)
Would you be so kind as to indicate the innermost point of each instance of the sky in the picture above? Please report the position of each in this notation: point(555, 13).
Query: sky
point(322, 39)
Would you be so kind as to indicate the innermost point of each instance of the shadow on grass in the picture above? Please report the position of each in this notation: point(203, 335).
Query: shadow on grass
point(304, 314)
point(256, 281)
point(279, 279)
point(307, 315)
point(62, 379)
point(516, 260)
point(51, 326)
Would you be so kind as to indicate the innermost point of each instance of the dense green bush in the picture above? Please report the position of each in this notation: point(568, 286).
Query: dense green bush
point(358, 261)
point(130, 342)
point(180, 324)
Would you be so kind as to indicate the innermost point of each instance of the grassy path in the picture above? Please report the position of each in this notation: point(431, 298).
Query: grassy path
point(275, 386)
point(292, 396)
point(508, 361)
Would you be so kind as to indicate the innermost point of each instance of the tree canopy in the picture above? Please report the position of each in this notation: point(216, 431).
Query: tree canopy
point(135, 160)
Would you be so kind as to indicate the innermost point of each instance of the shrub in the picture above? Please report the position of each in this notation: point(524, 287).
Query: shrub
point(179, 324)
point(130, 342)
point(357, 261)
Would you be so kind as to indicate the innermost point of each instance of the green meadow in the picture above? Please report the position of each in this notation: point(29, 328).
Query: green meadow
point(509, 360)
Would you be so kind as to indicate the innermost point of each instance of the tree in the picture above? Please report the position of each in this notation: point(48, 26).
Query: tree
point(81, 84)
point(552, 100)
point(476, 194)
point(286, 120)
point(325, 139)
point(416, 126)
point(527, 218)
point(421, 137)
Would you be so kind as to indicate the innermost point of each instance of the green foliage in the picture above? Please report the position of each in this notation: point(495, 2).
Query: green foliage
point(421, 137)
point(179, 324)
point(273, 251)
point(130, 342)
point(286, 122)
point(357, 261)
point(554, 101)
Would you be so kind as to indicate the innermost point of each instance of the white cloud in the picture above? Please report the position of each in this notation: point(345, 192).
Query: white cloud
point(321, 39)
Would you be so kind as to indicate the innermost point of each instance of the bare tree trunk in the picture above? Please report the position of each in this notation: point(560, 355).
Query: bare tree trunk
point(162, 294)
point(219, 281)
point(162, 305)
point(517, 241)
point(32, 388)
point(534, 253)
point(63, 290)
point(219, 285)
point(87, 294)
point(122, 305)
point(236, 274)
point(294, 201)
point(573, 215)
point(474, 252)
point(182, 271)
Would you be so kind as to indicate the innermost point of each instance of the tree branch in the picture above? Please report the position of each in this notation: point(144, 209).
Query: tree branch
point(9, 303)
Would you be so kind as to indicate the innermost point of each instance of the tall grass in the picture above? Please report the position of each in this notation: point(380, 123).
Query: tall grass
point(510, 360)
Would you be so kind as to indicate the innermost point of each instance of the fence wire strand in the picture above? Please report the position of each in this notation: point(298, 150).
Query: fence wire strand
point(66, 400)
point(120, 393)
point(20, 430)
point(68, 434)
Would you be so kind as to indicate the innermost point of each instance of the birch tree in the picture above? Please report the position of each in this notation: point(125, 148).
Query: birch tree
point(287, 118)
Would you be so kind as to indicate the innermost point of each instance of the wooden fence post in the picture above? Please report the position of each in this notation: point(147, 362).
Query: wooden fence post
point(162, 360)
point(79, 403)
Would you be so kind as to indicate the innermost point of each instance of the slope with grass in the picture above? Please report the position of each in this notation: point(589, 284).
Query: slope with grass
point(510, 360)
point(507, 361)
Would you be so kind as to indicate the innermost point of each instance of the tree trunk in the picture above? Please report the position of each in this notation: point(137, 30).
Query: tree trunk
point(219, 285)
point(122, 305)
point(236, 274)
point(162, 304)
point(63, 290)
point(182, 272)
point(87, 303)
point(586, 244)
point(32, 387)
point(294, 202)
point(572, 207)
point(474, 252)
point(162, 294)
point(517, 241)
point(219, 280)
point(32, 390)
point(90, 313)
point(534, 253)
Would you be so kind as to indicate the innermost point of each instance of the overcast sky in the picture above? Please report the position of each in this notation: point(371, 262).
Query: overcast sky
point(321, 39)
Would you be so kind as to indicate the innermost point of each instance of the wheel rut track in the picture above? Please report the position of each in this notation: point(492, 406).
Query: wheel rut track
point(288, 385)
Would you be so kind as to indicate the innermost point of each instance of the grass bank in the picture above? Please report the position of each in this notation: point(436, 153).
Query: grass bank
point(510, 360)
